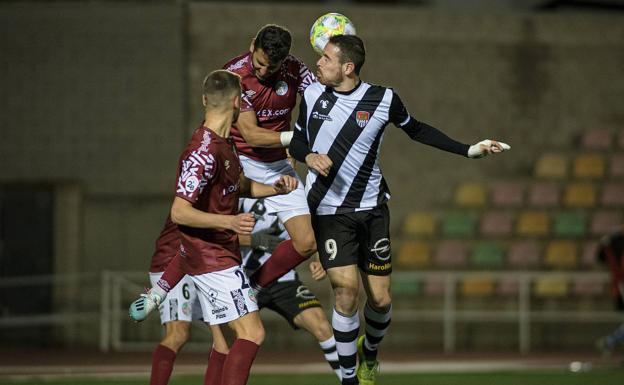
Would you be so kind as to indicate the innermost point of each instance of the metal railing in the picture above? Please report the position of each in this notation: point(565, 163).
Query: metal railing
point(115, 287)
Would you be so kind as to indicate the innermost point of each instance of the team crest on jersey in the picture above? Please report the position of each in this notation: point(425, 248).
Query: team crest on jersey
point(226, 164)
point(281, 88)
point(361, 117)
point(324, 104)
point(191, 183)
point(250, 93)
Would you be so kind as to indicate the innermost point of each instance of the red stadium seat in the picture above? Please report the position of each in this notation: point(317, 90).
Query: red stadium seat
point(588, 287)
point(613, 194)
point(524, 254)
point(604, 222)
point(599, 139)
point(616, 165)
point(451, 254)
point(496, 223)
point(544, 194)
point(588, 255)
point(508, 194)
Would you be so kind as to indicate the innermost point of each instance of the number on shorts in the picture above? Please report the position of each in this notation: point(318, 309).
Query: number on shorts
point(241, 275)
point(185, 291)
point(331, 247)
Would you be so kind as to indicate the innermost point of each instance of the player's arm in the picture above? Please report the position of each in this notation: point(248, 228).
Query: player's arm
point(257, 136)
point(253, 189)
point(183, 213)
point(300, 147)
point(426, 134)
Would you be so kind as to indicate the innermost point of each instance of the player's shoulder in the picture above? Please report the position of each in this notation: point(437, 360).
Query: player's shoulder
point(239, 64)
point(203, 141)
point(293, 62)
point(314, 89)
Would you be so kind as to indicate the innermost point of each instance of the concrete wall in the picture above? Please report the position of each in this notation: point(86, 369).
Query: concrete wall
point(95, 93)
point(105, 95)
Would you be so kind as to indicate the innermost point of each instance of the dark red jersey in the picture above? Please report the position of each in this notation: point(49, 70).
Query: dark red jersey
point(167, 245)
point(272, 100)
point(208, 177)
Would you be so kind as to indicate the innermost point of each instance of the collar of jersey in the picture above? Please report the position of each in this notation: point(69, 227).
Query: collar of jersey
point(346, 92)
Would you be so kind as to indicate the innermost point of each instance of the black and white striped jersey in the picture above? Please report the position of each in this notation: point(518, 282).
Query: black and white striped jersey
point(349, 128)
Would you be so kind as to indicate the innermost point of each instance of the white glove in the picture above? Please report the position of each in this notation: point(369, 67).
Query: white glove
point(486, 147)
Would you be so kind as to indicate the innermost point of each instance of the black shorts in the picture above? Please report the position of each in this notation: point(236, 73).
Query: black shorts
point(361, 238)
point(288, 299)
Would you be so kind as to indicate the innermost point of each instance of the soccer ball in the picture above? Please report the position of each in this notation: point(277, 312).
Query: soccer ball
point(327, 26)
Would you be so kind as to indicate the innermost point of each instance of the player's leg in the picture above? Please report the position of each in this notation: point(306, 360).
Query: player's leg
point(376, 268)
point(176, 314)
point(249, 336)
point(292, 210)
point(315, 322)
point(226, 297)
point(345, 318)
point(338, 247)
point(218, 354)
point(148, 302)
point(164, 355)
point(290, 253)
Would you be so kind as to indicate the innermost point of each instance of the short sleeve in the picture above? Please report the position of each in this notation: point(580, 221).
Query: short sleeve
point(197, 171)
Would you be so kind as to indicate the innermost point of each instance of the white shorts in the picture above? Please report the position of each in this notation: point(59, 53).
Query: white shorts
point(286, 206)
point(225, 295)
point(181, 303)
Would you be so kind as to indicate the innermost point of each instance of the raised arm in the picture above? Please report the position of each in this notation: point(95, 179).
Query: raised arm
point(426, 134)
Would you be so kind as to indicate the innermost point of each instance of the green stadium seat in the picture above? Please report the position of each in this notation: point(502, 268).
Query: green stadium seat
point(458, 224)
point(570, 224)
point(406, 287)
point(487, 255)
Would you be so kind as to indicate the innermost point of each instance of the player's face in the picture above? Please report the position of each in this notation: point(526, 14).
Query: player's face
point(329, 70)
point(262, 67)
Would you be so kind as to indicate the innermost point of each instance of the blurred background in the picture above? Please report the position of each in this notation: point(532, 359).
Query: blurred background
point(98, 98)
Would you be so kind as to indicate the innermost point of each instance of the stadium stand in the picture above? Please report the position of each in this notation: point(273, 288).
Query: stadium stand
point(533, 223)
point(451, 254)
point(524, 254)
point(580, 194)
point(589, 166)
point(470, 195)
point(613, 194)
point(419, 224)
point(604, 222)
point(616, 165)
point(508, 194)
point(458, 224)
point(487, 255)
point(548, 286)
point(570, 224)
point(496, 223)
point(561, 255)
point(414, 254)
point(598, 139)
point(544, 194)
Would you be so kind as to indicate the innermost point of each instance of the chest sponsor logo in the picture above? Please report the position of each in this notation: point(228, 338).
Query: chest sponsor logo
point(268, 113)
point(362, 117)
point(281, 88)
point(381, 249)
point(319, 116)
point(239, 302)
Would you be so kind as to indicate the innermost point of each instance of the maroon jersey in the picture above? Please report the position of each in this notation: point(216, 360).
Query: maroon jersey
point(167, 245)
point(272, 99)
point(208, 177)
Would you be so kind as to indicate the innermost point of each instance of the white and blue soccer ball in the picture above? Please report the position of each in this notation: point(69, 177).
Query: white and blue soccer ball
point(327, 26)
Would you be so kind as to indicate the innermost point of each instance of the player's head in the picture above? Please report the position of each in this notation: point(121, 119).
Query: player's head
point(222, 92)
point(269, 49)
point(343, 56)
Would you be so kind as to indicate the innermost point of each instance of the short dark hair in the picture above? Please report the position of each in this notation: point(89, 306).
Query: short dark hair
point(351, 50)
point(275, 41)
point(220, 85)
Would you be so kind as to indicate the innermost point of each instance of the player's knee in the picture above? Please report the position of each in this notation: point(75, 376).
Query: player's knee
point(346, 299)
point(257, 335)
point(176, 337)
point(305, 244)
point(380, 303)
